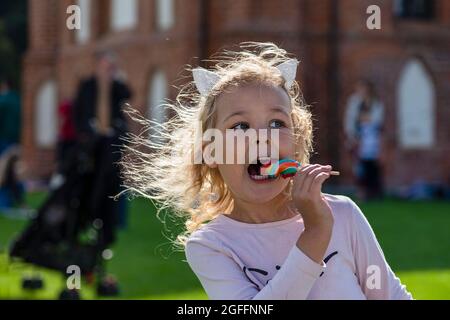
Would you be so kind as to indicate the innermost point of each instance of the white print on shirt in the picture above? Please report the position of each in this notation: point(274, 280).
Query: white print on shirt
point(374, 279)
point(328, 258)
point(265, 273)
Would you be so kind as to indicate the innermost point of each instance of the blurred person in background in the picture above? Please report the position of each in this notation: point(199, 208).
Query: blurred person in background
point(363, 126)
point(99, 124)
point(67, 136)
point(10, 115)
point(66, 143)
point(11, 187)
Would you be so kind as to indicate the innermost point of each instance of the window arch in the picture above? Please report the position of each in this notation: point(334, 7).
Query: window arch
point(165, 17)
point(84, 33)
point(46, 123)
point(416, 102)
point(124, 14)
point(414, 9)
point(157, 93)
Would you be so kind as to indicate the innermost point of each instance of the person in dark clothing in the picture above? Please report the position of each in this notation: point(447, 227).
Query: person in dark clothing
point(11, 188)
point(10, 115)
point(66, 136)
point(99, 102)
point(99, 124)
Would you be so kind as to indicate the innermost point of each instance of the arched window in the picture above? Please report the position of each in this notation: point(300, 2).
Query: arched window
point(157, 93)
point(123, 14)
point(165, 17)
point(84, 33)
point(416, 106)
point(46, 122)
point(414, 9)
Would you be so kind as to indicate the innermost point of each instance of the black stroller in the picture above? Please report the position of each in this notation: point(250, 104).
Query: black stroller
point(68, 229)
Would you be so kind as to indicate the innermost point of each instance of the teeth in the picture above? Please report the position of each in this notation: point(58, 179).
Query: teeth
point(263, 160)
point(258, 177)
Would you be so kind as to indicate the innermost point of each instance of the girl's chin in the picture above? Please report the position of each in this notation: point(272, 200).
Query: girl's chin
point(261, 198)
point(264, 190)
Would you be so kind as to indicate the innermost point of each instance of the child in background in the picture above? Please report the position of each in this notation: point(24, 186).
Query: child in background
point(369, 150)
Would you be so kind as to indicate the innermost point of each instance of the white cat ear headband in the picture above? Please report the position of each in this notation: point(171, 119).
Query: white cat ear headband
point(205, 80)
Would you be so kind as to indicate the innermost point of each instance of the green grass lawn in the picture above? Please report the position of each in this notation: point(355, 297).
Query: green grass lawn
point(414, 236)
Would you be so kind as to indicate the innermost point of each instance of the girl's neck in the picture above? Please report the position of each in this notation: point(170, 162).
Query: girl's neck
point(275, 210)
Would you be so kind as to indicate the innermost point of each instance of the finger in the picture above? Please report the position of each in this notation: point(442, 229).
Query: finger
point(303, 182)
point(316, 186)
point(307, 167)
point(302, 174)
point(312, 174)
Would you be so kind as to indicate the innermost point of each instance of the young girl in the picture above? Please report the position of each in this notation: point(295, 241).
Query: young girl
point(250, 236)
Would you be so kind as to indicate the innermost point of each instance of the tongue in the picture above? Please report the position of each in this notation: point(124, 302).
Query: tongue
point(253, 169)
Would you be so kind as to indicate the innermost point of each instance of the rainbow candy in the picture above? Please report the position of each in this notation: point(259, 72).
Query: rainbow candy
point(284, 167)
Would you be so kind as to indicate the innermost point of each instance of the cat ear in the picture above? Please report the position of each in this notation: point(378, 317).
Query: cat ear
point(288, 70)
point(204, 80)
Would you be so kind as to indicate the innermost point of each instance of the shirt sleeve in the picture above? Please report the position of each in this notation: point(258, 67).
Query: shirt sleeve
point(223, 279)
point(376, 278)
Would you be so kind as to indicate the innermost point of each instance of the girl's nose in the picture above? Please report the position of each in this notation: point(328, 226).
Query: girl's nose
point(267, 140)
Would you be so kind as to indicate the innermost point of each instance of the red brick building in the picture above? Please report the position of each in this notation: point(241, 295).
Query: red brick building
point(154, 39)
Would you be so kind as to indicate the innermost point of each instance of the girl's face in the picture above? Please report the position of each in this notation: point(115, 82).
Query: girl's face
point(254, 107)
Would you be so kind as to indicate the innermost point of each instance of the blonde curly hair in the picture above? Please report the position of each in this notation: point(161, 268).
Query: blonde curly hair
point(162, 168)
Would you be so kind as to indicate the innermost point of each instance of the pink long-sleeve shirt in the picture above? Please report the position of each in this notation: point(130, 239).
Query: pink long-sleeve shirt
point(237, 260)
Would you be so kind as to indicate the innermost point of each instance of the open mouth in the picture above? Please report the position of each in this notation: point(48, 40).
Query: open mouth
point(254, 171)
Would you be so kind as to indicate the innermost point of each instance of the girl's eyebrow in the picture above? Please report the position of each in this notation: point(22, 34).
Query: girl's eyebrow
point(281, 110)
point(237, 113)
point(274, 109)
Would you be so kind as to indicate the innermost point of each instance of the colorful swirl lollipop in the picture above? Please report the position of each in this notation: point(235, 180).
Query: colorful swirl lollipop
point(284, 167)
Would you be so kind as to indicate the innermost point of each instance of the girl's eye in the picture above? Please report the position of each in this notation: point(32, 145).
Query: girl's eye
point(240, 126)
point(275, 124)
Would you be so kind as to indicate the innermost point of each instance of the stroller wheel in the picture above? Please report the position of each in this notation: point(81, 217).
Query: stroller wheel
point(108, 287)
point(32, 282)
point(70, 294)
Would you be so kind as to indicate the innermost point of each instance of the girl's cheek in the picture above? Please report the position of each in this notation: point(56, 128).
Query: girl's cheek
point(231, 174)
point(286, 142)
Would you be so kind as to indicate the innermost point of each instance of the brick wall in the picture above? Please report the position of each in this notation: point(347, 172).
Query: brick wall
point(303, 27)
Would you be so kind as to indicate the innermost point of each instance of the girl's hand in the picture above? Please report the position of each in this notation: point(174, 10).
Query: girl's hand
point(316, 212)
point(307, 195)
